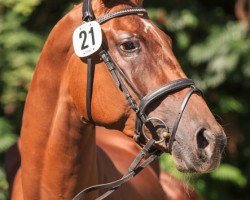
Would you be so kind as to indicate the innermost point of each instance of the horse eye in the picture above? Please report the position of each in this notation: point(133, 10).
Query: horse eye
point(129, 46)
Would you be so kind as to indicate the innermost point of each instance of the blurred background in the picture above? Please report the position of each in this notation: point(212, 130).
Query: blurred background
point(211, 40)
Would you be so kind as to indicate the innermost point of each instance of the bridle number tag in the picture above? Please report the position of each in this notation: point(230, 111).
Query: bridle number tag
point(87, 38)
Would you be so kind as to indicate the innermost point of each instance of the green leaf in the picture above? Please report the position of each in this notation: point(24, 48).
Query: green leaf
point(23, 7)
point(231, 104)
point(7, 137)
point(3, 185)
point(230, 173)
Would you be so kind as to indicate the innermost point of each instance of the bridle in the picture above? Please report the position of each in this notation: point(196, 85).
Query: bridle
point(149, 152)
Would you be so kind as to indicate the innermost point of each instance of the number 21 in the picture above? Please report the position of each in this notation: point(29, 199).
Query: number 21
point(84, 35)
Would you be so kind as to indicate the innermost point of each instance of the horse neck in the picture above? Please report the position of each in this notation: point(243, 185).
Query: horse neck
point(58, 151)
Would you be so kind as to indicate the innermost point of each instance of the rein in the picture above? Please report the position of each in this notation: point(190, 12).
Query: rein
point(149, 152)
point(135, 168)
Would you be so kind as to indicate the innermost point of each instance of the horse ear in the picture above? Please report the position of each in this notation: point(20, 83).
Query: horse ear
point(139, 2)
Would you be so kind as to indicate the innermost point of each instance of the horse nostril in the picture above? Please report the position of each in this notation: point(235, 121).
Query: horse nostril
point(202, 141)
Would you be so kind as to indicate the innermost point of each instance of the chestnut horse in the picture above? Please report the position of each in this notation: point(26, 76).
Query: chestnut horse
point(59, 156)
point(150, 184)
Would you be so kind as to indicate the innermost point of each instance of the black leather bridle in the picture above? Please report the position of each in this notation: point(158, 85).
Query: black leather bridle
point(149, 152)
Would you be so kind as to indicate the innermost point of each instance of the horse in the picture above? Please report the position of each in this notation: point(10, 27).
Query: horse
point(161, 185)
point(70, 95)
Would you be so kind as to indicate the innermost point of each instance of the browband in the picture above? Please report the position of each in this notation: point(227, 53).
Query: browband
point(120, 13)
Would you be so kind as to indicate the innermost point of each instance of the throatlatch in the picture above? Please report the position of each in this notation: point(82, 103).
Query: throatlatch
point(149, 152)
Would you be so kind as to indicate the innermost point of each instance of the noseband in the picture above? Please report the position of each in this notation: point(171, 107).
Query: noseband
point(142, 120)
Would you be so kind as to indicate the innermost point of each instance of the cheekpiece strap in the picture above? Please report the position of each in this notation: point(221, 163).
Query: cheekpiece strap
point(87, 12)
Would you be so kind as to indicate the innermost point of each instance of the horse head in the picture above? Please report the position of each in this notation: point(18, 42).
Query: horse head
point(143, 53)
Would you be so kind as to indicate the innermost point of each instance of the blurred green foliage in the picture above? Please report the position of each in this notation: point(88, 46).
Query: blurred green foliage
point(211, 45)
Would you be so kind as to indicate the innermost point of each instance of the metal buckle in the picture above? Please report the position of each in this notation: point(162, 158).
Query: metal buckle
point(165, 135)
